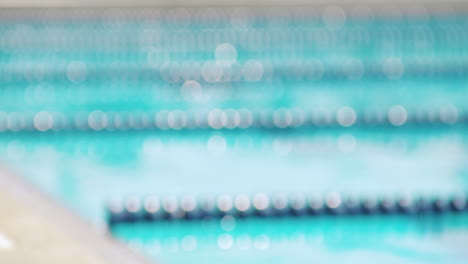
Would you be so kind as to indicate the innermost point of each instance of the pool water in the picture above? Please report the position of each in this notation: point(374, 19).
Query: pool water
point(106, 105)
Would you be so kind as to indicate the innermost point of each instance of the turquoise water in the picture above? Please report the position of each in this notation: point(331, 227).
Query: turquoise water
point(387, 239)
point(76, 165)
point(208, 102)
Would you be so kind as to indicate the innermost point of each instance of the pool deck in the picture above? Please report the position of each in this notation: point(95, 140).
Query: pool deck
point(36, 229)
point(230, 3)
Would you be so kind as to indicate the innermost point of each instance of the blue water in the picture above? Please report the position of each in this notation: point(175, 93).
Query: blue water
point(84, 116)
